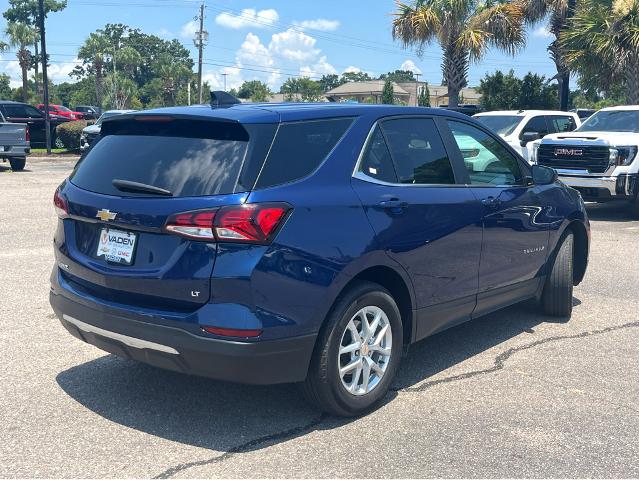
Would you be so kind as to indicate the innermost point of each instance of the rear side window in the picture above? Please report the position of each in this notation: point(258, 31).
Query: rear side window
point(418, 152)
point(186, 158)
point(377, 162)
point(535, 125)
point(300, 148)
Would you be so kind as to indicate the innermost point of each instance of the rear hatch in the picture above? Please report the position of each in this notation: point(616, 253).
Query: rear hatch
point(12, 134)
point(143, 170)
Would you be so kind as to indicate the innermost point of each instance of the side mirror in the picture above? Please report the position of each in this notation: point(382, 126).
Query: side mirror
point(529, 137)
point(543, 175)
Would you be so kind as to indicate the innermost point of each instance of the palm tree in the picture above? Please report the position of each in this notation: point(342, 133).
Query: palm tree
point(559, 13)
point(602, 41)
point(21, 36)
point(464, 29)
point(94, 50)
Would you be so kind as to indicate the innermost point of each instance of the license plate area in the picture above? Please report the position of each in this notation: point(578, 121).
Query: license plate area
point(117, 246)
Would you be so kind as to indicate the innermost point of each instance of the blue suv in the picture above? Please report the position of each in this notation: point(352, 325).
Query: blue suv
point(273, 243)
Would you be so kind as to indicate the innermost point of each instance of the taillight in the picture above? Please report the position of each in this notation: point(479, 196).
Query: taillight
point(27, 135)
point(60, 204)
point(250, 223)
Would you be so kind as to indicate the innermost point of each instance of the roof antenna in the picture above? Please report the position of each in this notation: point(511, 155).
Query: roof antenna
point(221, 99)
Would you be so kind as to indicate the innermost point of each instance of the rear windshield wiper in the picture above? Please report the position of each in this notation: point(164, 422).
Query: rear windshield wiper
point(135, 187)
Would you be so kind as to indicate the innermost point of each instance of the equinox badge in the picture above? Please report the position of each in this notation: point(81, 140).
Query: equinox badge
point(106, 215)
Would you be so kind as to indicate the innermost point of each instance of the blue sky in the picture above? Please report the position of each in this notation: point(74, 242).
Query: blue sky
point(271, 40)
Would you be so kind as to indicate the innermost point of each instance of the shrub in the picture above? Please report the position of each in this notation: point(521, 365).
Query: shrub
point(69, 133)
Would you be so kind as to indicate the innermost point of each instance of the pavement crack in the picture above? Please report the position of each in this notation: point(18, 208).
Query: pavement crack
point(502, 358)
point(283, 435)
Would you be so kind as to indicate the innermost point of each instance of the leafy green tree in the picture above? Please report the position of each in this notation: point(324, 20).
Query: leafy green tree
point(464, 29)
point(602, 42)
point(304, 89)
point(121, 92)
point(499, 91)
point(5, 86)
point(423, 99)
point(254, 90)
point(355, 77)
point(388, 93)
point(329, 82)
point(21, 36)
point(399, 76)
point(537, 94)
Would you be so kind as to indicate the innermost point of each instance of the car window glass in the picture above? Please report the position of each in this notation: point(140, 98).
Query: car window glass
point(559, 124)
point(32, 112)
point(418, 152)
point(300, 148)
point(377, 162)
point(536, 125)
point(17, 111)
point(488, 161)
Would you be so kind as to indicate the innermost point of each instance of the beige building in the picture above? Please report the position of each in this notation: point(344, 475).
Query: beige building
point(405, 93)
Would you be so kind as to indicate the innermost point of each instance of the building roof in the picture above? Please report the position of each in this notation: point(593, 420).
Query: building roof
point(371, 87)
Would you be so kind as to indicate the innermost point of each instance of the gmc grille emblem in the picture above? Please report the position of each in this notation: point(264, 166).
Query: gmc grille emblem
point(572, 152)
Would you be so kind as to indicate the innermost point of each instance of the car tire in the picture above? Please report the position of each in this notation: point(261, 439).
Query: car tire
point(556, 299)
point(17, 163)
point(346, 394)
point(57, 142)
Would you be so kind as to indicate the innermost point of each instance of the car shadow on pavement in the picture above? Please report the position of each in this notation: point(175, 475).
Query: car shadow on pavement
point(611, 212)
point(229, 418)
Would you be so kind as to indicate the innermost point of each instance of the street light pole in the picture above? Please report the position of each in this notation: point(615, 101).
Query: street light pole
point(45, 80)
point(417, 75)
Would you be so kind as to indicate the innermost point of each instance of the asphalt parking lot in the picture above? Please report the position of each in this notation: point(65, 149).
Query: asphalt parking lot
point(515, 394)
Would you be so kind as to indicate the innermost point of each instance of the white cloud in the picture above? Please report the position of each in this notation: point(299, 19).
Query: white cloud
point(189, 29)
point(542, 32)
point(410, 66)
point(319, 24)
point(294, 45)
point(249, 17)
point(59, 72)
point(165, 33)
point(322, 67)
point(352, 69)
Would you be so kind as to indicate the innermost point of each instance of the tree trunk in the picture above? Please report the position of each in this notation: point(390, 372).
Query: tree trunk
point(455, 70)
point(23, 61)
point(37, 69)
point(632, 80)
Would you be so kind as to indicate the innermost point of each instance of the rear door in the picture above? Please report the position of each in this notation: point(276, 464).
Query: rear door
point(516, 229)
point(425, 220)
point(115, 247)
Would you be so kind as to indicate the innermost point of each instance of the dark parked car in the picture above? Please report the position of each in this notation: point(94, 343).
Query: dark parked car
point(304, 243)
point(89, 112)
point(16, 112)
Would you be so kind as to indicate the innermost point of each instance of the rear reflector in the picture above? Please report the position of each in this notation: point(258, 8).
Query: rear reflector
point(60, 204)
point(251, 223)
point(232, 332)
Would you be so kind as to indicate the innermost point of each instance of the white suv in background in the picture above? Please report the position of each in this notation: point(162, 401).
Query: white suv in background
point(521, 127)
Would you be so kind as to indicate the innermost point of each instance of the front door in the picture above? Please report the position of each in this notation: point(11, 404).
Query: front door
point(428, 222)
point(516, 227)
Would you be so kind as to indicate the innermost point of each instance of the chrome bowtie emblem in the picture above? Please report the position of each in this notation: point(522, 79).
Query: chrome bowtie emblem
point(106, 215)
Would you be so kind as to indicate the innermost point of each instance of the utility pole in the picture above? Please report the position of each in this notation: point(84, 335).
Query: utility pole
point(224, 75)
point(45, 79)
point(200, 40)
point(417, 75)
point(564, 83)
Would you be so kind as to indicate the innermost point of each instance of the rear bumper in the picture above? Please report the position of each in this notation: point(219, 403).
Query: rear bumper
point(266, 362)
point(14, 151)
point(623, 186)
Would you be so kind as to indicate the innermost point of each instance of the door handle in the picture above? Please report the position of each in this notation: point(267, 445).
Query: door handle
point(491, 202)
point(393, 203)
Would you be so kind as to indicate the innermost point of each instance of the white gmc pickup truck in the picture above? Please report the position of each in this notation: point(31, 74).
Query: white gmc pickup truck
point(599, 158)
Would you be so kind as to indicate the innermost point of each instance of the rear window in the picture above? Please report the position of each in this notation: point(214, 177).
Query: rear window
point(300, 148)
point(187, 158)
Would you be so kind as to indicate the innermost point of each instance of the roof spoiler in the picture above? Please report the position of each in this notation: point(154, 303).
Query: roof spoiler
point(221, 99)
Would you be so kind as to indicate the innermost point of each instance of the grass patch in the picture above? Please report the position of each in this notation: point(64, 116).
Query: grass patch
point(39, 152)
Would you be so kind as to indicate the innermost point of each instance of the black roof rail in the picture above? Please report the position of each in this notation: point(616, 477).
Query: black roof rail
point(220, 99)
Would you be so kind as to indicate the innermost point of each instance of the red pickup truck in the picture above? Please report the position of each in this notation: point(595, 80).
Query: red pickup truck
point(62, 111)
